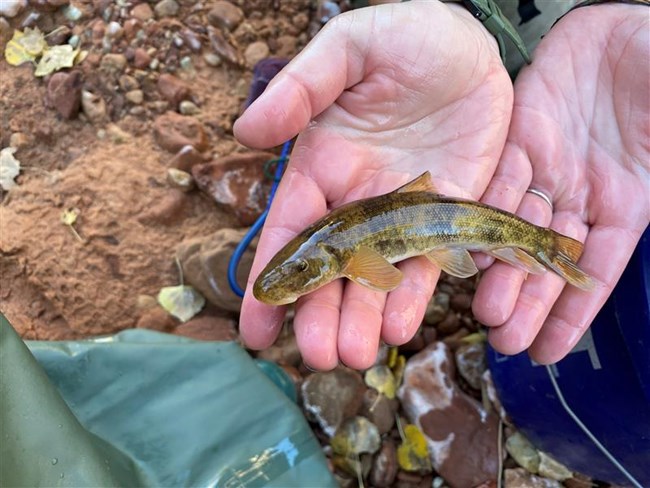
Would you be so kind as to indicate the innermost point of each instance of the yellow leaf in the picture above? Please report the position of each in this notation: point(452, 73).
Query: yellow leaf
point(413, 454)
point(69, 216)
point(182, 301)
point(381, 378)
point(56, 58)
point(398, 370)
point(24, 47)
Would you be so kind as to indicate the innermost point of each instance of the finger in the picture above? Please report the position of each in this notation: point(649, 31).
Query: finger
point(576, 309)
point(497, 292)
point(537, 296)
point(309, 84)
point(316, 325)
point(261, 323)
point(361, 315)
point(406, 305)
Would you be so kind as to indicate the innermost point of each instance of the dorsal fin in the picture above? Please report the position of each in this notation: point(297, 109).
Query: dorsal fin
point(421, 183)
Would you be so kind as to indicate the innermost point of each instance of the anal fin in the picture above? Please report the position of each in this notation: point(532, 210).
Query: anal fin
point(370, 269)
point(454, 261)
point(421, 183)
point(519, 259)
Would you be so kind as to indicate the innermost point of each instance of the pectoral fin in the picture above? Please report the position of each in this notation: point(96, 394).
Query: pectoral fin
point(456, 262)
point(372, 270)
point(519, 259)
point(421, 183)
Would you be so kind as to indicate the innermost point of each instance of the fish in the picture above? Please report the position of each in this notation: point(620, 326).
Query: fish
point(363, 239)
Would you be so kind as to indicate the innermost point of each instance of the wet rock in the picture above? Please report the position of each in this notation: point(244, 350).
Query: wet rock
point(141, 58)
point(173, 89)
point(93, 106)
point(379, 410)
point(113, 63)
point(225, 15)
point(284, 351)
point(455, 340)
point(142, 12)
point(255, 52)
point(223, 48)
point(205, 266)
point(136, 97)
point(185, 158)
point(453, 422)
point(523, 452)
point(64, 93)
point(166, 8)
point(449, 325)
point(11, 8)
point(384, 467)
point(208, 328)
point(415, 344)
point(172, 131)
point(520, 478)
point(550, 468)
point(188, 108)
point(331, 397)
point(461, 302)
point(471, 363)
point(437, 308)
point(156, 318)
point(237, 183)
point(167, 210)
point(429, 334)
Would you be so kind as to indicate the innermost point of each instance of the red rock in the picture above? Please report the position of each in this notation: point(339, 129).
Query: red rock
point(225, 15)
point(141, 59)
point(142, 12)
point(156, 319)
point(166, 211)
point(208, 328)
point(237, 183)
point(471, 363)
point(453, 422)
point(223, 48)
point(172, 131)
point(461, 302)
point(131, 28)
point(64, 93)
point(384, 468)
point(186, 158)
point(173, 89)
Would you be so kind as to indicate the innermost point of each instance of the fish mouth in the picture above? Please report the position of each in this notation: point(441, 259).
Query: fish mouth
point(275, 301)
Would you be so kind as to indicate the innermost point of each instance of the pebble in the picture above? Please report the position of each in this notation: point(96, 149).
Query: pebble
point(64, 93)
point(222, 47)
point(141, 59)
point(237, 183)
point(327, 10)
point(286, 46)
point(93, 106)
point(128, 83)
point(461, 302)
point(72, 13)
point(142, 12)
point(166, 8)
point(454, 423)
point(59, 36)
point(255, 52)
point(136, 97)
point(384, 467)
point(550, 468)
point(167, 210)
point(172, 131)
point(449, 325)
point(331, 397)
point(185, 158)
point(225, 15)
point(284, 351)
point(19, 140)
point(205, 266)
point(520, 478)
point(471, 362)
point(212, 59)
point(522, 451)
point(156, 318)
point(192, 40)
point(437, 308)
point(188, 108)
point(11, 8)
point(173, 89)
point(116, 134)
point(114, 30)
point(379, 410)
point(300, 20)
point(113, 63)
point(208, 328)
point(180, 179)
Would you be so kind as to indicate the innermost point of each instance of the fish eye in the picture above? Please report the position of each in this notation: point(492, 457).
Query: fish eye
point(302, 265)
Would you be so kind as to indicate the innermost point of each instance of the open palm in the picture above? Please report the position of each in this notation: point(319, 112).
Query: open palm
point(379, 96)
point(580, 134)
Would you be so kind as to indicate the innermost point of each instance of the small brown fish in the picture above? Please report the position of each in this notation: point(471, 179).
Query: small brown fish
point(362, 239)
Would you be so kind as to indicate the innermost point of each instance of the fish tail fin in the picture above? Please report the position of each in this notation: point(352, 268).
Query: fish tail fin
point(563, 257)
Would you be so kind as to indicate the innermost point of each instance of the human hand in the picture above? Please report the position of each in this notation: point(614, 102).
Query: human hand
point(580, 134)
point(379, 96)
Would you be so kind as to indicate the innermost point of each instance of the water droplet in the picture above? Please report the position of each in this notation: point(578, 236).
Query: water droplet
point(62, 475)
point(60, 425)
point(54, 461)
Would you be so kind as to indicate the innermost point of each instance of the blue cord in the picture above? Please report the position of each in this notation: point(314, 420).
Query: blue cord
point(233, 264)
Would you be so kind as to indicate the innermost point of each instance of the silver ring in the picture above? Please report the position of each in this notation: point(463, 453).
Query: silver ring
point(542, 195)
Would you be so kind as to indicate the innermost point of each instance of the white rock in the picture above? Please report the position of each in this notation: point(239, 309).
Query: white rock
point(11, 8)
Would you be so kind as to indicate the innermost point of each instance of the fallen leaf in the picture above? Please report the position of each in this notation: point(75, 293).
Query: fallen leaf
point(381, 378)
point(182, 301)
point(412, 454)
point(69, 216)
point(56, 58)
point(25, 46)
point(9, 168)
point(356, 436)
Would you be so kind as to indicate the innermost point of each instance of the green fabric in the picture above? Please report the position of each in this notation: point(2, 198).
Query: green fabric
point(147, 409)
